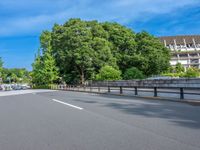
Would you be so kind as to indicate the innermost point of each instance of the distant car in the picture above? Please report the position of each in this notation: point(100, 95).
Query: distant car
point(7, 87)
point(25, 86)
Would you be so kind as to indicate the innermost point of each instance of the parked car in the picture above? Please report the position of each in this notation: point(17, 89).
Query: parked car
point(7, 87)
point(1, 88)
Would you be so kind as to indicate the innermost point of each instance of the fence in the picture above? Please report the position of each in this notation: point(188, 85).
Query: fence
point(181, 87)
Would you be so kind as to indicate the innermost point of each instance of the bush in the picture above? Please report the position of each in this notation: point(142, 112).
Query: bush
point(41, 86)
point(133, 73)
point(179, 68)
point(191, 73)
point(108, 73)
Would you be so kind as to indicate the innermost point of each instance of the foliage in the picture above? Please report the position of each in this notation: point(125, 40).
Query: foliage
point(133, 73)
point(108, 73)
point(15, 75)
point(81, 48)
point(1, 66)
point(179, 68)
point(44, 68)
point(41, 86)
point(153, 53)
point(192, 73)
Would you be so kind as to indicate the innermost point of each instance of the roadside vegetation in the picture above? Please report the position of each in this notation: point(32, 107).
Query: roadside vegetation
point(78, 51)
point(179, 71)
point(14, 75)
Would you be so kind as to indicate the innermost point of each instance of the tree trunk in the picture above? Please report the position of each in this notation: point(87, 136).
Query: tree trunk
point(82, 77)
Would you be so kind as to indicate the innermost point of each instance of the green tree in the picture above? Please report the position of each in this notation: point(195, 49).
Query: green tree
point(133, 73)
point(123, 44)
point(1, 66)
point(108, 73)
point(37, 72)
point(154, 53)
point(83, 60)
point(82, 48)
point(16, 75)
point(179, 68)
point(44, 67)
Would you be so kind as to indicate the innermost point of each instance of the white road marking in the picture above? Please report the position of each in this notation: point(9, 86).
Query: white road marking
point(55, 100)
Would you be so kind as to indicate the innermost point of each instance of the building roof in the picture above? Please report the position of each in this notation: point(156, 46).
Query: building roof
point(180, 39)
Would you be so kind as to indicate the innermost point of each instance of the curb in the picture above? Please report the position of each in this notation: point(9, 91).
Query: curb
point(188, 101)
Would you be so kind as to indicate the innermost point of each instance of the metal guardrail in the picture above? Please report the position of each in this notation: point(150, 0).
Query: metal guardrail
point(181, 91)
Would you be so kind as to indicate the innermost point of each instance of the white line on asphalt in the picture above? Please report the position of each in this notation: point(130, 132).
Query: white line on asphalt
point(55, 100)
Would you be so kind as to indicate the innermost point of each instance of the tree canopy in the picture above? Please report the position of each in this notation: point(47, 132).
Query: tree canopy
point(44, 68)
point(81, 48)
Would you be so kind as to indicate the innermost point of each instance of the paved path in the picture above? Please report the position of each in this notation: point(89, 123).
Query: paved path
point(62, 120)
point(20, 92)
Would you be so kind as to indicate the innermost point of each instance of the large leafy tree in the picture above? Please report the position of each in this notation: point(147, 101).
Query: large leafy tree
point(81, 48)
point(153, 53)
point(123, 43)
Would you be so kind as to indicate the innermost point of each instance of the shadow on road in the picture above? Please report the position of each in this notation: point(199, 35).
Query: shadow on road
point(178, 113)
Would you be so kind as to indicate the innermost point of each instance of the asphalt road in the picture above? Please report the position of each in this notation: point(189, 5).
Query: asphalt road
point(61, 120)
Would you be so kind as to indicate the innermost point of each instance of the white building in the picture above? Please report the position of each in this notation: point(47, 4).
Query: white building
point(184, 49)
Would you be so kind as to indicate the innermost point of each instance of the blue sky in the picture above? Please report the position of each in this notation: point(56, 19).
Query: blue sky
point(22, 21)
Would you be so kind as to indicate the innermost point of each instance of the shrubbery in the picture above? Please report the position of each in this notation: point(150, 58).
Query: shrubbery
point(133, 73)
point(191, 73)
point(108, 73)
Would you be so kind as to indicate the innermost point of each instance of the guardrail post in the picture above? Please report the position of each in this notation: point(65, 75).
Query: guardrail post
point(121, 90)
point(99, 89)
point(155, 92)
point(90, 88)
point(181, 93)
point(108, 89)
point(136, 91)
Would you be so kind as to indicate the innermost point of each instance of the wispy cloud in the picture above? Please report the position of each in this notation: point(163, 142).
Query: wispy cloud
point(30, 17)
point(21, 21)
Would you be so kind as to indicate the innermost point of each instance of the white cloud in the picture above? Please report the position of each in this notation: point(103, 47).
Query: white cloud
point(47, 12)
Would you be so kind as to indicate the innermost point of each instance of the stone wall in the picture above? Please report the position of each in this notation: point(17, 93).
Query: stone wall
point(161, 83)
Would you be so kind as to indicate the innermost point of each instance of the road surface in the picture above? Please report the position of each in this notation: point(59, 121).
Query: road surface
point(61, 120)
